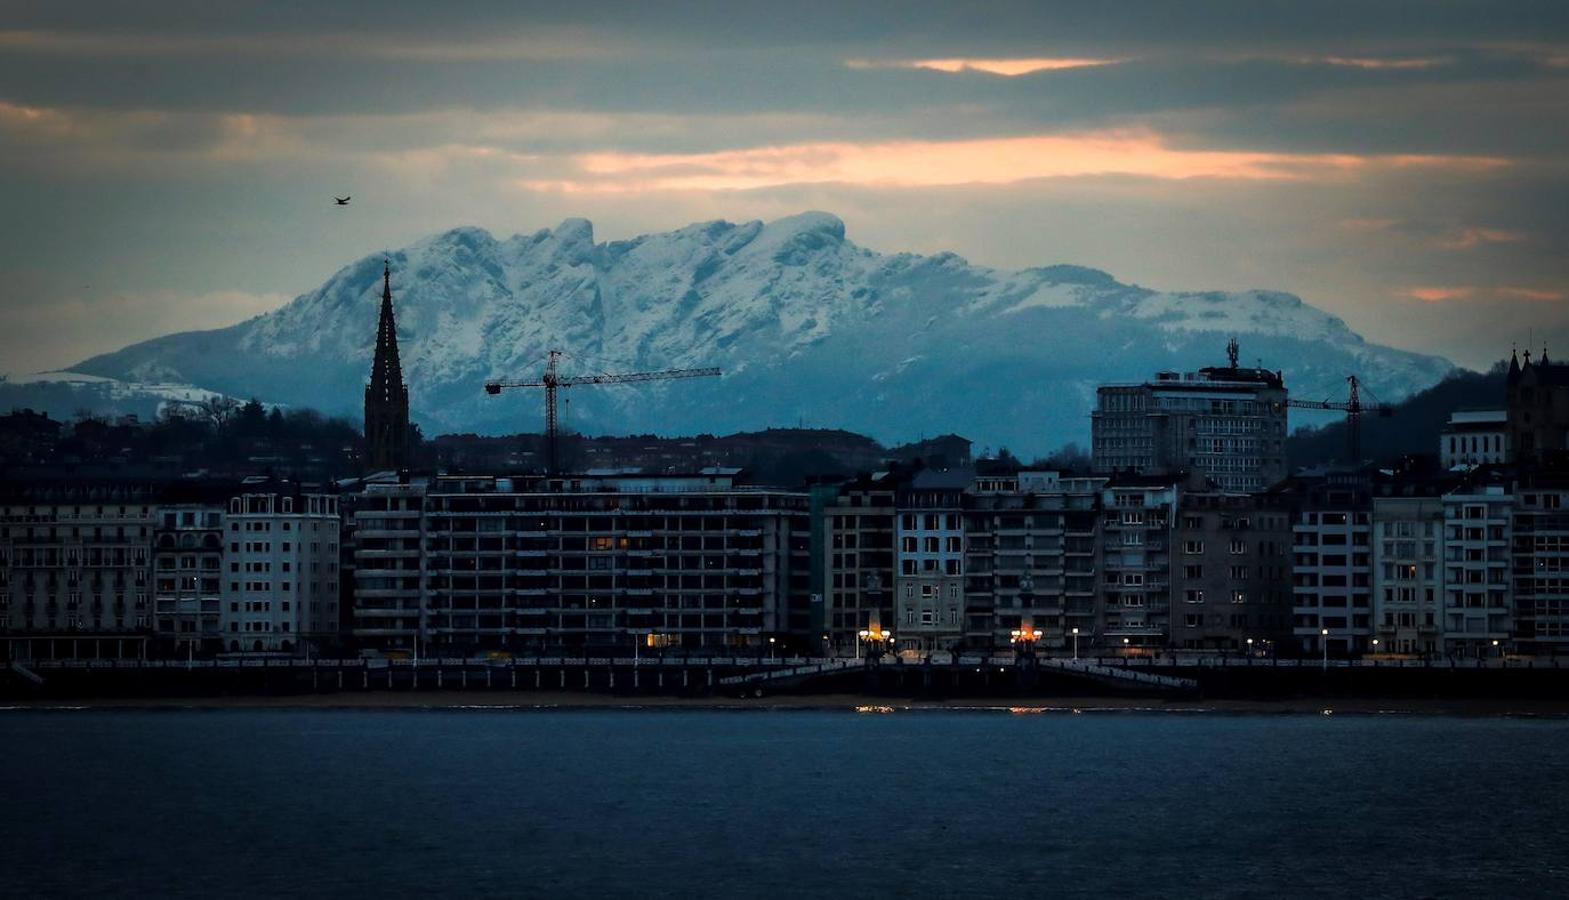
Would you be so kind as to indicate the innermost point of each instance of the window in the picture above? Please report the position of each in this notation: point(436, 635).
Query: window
point(1193, 547)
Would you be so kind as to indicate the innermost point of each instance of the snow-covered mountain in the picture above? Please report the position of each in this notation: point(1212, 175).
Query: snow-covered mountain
point(807, 325)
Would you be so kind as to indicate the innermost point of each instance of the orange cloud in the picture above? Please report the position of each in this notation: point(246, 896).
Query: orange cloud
point(1362, 62)
point(1521, 293)
point(1474, 237)
point(1007, 67)
point(1133, 152)
point(1439, 294)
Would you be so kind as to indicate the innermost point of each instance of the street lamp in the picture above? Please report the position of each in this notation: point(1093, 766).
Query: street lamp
point(1027, 636)
point(1075, 643)
point(1323, 641)
point(1375, 646)
point(770, 649)
point(1250, 648)
point(1497, 651)
point(861, 636)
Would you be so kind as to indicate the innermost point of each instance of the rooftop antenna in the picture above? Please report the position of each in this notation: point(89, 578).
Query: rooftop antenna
point(1232, 350)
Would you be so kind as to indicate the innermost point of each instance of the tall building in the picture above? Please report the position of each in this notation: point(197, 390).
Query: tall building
point(1136, 561)
point(1031, 549)
point(859, 546)
point(187, 576)
point(1408, 567)
point(386, 397)
point(1332, 564)
point(929, 582)
point(280, 589)
point(388, 559)
point(1541, 564)
point(1232, 584)
point(1226, 423)
point(1477, 517)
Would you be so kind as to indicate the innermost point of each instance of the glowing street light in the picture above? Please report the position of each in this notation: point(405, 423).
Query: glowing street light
point(1075, 643)
point(1323, 640)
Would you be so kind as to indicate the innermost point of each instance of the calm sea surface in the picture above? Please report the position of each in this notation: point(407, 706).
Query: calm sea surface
point(778, 804)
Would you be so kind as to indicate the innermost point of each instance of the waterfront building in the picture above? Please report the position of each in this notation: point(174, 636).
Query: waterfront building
point(386, 396)
point(187, 579)
point(76, 567)
point(1540, 578)
point(929, 554)
point(1332, 563)
point(1134, 606)
point(1231, 586)
point(1477, 616)
point(1226, 423)
point(1408, 568)
point(859, 543)
point(1031, 555)
point(280, 587)
point(598, 563)
point(387, 563)
point(1475, 437)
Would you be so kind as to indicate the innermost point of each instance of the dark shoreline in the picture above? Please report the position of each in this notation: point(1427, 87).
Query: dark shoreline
point(549, 701)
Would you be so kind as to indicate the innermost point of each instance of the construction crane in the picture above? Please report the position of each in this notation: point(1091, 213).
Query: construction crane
point(552, 381)
point(1353, 407)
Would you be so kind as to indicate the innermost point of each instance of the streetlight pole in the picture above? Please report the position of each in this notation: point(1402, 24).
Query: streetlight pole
point(1323, 642)
point(1075, 644)
point(770, 649)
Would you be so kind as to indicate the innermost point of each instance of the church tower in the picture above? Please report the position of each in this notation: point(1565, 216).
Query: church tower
point(386, 397)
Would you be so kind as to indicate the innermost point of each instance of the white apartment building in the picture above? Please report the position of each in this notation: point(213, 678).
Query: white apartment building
point(1408, 574)
point(1476, 617)
point(280, 587)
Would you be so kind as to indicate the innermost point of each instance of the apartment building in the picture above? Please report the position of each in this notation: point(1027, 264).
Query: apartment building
point(1031, 554)
point(1477, 615)
point(1226, 423)
point(1475, 437)
point(1332, 588)
point(187, 579)
point(280, 586)
point(929, 611)
point(76, 564)
point(1137, 525)
point(859, 541)
point(1540, 581)
point(597, 563)
point(1408, 568)
point(1231, 585)
point(386, 531)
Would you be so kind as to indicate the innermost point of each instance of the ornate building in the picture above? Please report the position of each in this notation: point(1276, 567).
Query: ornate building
point(386, 397)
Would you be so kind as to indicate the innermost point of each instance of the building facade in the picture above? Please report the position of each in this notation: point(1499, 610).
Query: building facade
point(1332, 611)
point(1475, 437)
point(1228, 424)
point(1540, 579)
point(280, 588)
point(860, 546)
point(187, 579)
point(1231, 588)
point(76, 568)
point(1137, 526)
point(1477, 611)
point(1408, 572)
point(598, 564)
point(929, 605)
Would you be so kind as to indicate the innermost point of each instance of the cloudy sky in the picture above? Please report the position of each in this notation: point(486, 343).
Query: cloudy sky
point(170, 166)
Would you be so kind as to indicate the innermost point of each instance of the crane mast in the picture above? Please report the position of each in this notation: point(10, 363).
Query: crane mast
point(552, 381)
point(1353, 407)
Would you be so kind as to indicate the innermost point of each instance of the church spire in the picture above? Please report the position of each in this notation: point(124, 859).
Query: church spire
point(386, 397)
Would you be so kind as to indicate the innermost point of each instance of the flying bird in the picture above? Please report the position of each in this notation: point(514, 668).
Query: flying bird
point(342, 201)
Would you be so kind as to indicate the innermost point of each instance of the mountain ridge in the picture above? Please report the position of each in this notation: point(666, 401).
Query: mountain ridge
point(807, 325)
